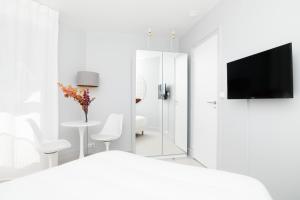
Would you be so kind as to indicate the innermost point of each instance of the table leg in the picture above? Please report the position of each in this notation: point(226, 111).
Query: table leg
point(81, 135)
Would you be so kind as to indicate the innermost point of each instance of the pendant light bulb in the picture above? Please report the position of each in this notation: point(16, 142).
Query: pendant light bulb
point(173, 35)
point(150, 34)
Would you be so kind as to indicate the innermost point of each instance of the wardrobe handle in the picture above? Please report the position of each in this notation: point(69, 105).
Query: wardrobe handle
point(212, 102)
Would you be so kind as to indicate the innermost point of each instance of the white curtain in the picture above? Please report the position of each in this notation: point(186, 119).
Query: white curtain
point(28, 78)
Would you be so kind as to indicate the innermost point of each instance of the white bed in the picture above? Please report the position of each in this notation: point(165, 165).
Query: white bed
point(118, 175)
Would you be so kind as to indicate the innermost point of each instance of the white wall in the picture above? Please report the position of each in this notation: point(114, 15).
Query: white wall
point(71, 58)
point(112, 55)
point(262, 141)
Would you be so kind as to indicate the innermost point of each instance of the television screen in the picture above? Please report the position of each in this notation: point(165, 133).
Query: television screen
point(264, 75)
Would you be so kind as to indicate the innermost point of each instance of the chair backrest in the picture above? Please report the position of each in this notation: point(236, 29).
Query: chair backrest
point(113, 125)
point(37, 131)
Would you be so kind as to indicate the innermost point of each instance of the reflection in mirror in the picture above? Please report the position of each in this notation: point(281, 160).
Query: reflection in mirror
point(148, 110)
point(141, 88)
point(161, 109)
point(175, 106)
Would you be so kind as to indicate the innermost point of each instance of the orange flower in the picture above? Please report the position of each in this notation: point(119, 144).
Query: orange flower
point(81, 96)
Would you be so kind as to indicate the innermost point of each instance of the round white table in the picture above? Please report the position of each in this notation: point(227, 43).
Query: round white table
point(81, 127)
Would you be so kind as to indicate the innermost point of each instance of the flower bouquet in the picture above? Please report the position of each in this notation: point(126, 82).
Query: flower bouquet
point(82, 96)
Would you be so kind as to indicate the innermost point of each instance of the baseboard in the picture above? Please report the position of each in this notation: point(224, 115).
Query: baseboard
point(169, 156)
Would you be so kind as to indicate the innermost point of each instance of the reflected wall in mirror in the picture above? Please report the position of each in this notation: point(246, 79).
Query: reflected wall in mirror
point(161, 112)
point(141, 88)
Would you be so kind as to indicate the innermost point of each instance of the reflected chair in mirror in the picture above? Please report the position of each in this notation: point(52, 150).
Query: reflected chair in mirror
point(48, 147)
point(140, 123)
point(111, 131)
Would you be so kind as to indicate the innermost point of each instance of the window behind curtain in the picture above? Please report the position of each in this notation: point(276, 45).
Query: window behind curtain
point(28, 77)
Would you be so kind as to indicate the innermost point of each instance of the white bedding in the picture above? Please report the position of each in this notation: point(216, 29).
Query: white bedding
point(118, 175)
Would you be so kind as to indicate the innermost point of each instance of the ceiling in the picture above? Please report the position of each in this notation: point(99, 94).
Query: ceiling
point(132, 16)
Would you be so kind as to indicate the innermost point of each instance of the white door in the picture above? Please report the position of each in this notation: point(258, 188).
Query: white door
point(181, 89)
point(204, 63)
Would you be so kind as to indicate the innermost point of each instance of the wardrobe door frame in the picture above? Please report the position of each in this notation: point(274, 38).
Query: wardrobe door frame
point(133, 106)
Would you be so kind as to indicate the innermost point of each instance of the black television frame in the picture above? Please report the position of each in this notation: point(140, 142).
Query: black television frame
point(291, 92)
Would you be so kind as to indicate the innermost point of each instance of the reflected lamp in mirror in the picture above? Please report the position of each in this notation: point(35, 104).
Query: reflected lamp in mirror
point(87, 79)
point(140, 89)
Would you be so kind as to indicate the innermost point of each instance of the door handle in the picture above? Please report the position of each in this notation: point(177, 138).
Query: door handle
point(212, 102)
point(163, 92)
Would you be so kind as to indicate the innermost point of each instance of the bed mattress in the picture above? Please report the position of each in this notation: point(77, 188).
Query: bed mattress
point(117, 175)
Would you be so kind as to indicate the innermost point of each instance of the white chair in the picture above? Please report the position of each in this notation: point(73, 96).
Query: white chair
point(48, 147)
point(112, 130)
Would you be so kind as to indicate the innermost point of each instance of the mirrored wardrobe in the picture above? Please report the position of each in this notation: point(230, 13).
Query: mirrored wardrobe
point(161, 103)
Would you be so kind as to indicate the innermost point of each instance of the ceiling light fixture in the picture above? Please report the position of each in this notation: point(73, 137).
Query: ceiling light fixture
point(172, 38)
point(173, 35)
point(149, 36)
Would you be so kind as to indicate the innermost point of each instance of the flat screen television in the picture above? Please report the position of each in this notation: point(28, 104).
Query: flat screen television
point(268, 74)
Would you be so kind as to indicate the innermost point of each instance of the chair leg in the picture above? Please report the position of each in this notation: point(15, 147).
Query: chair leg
point(50, 160)
point(107, 145)
point(50, 157)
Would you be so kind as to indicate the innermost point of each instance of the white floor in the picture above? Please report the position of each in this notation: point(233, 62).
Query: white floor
point(150, 144)
point(185, 161)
